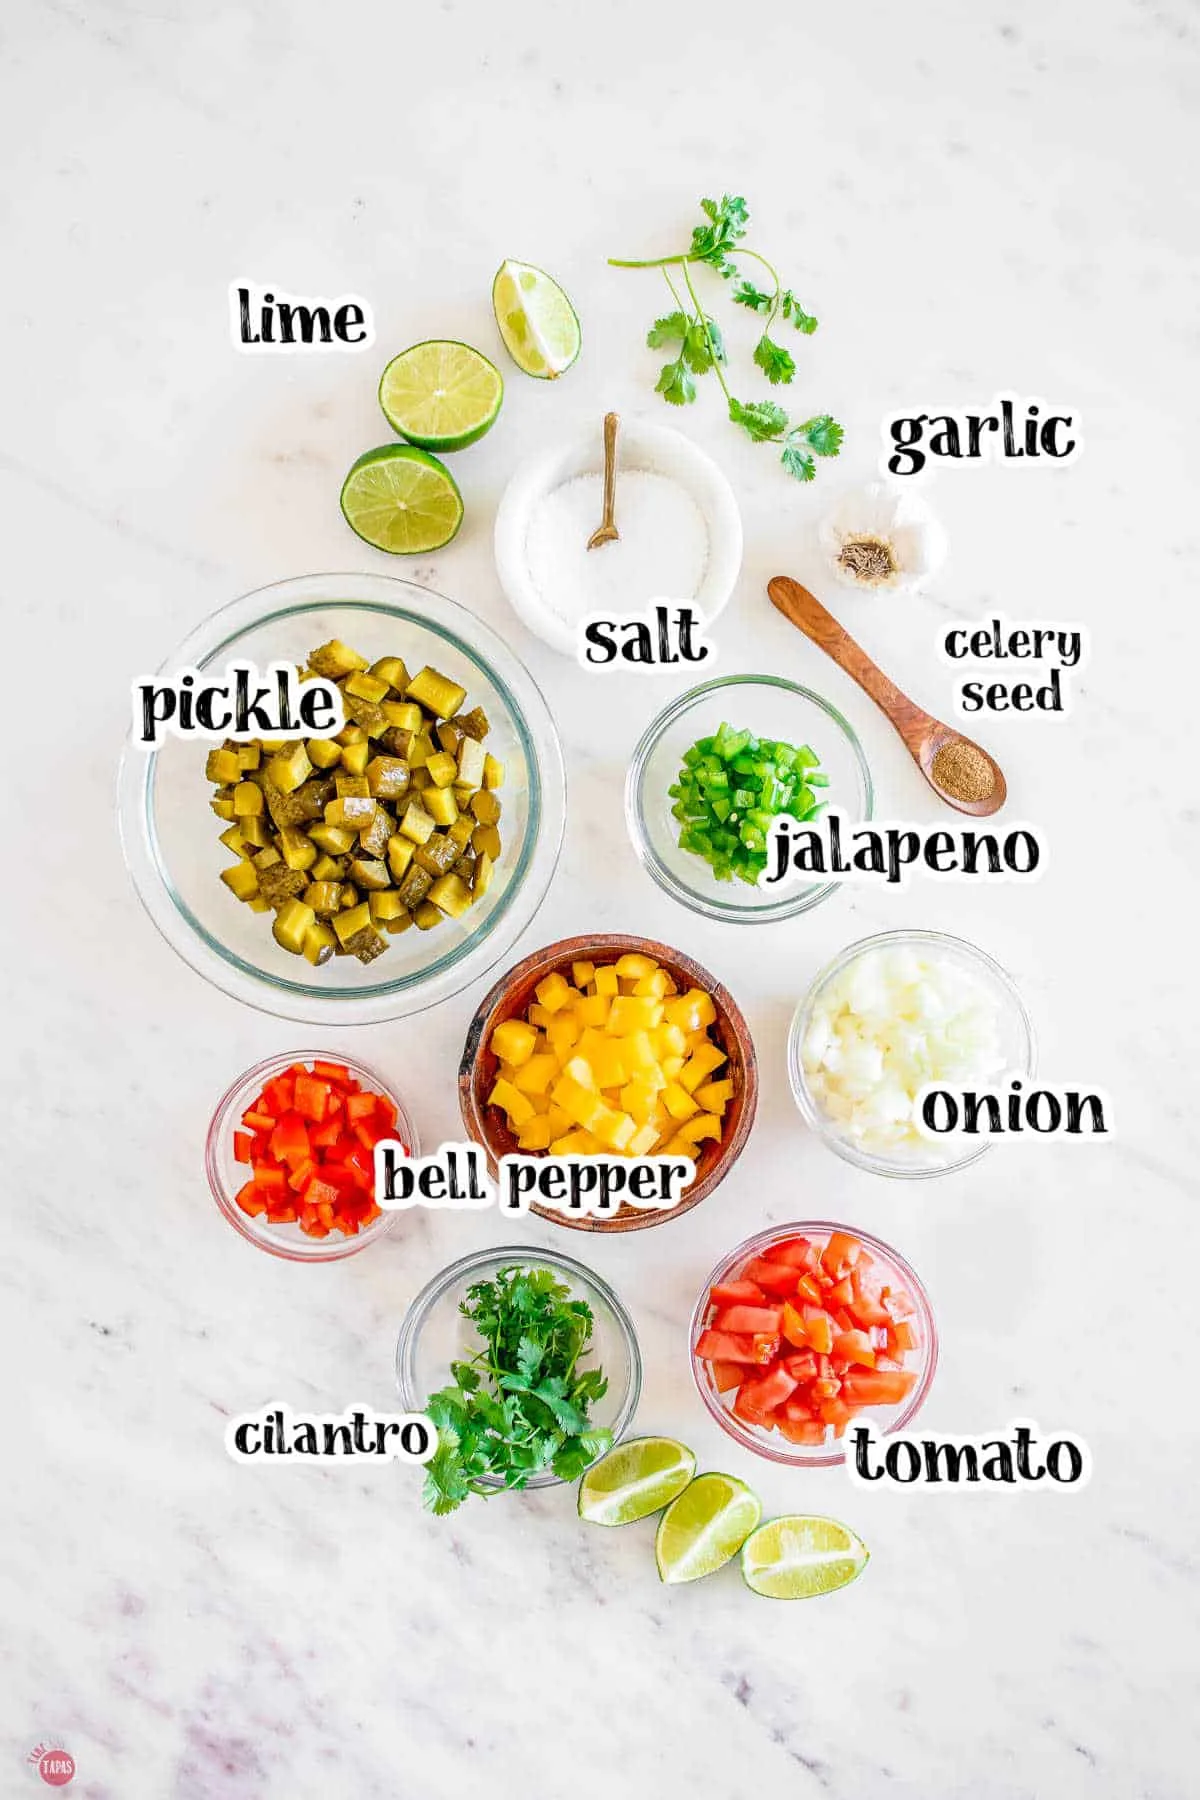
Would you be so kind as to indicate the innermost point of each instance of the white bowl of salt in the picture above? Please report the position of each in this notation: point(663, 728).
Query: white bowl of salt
point(680, 532)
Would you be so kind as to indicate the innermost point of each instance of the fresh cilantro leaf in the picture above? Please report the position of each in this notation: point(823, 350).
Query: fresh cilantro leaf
point(675, 384)
point(824, 434)
point(697, 352)
point(672, 328)
point(775, 362)
point(529, 1356)
point(798, 463)
point(727, 222)
point(791, 309)
point(761, 419)
point(446, 1486)
point(746, 294)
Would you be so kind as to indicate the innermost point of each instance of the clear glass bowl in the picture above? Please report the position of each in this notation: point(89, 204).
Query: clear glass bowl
point(1017, 1036)
point(435, 1334)
point(170, 836)
point(770, 707)
point(882, 1418)
point(226, 1177)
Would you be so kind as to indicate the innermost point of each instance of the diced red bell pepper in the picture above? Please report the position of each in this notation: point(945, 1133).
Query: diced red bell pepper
point(312, 1097)
point(360, 1106)
point(279, 1094)
point(269, 1178)
point(250, 1199)
point(254, 1120)
point(243, 1146)
point(331, 1071)
point(302, 1174)
point(289, 1140)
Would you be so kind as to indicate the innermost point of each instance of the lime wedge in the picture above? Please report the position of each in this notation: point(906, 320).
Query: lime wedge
point(798, 1557)
point(402, 500)
point(705, 1527)
point(539, 325)
point(635, 1479)
point(441, 395)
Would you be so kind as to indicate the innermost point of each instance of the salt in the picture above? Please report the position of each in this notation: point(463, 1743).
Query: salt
point(661, 554)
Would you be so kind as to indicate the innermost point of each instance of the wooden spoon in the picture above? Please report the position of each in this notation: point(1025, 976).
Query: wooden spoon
point(922, 733)
point(606, 532)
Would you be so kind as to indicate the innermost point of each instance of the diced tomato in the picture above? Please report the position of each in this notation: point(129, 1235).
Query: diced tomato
point(878, 1387)
point(734, 1293)
point(802, 1431)
point(750, 1415)
point(840, 1294)
point(727, 1375)
point(797, 1253)
point(766, 1346)
point(856, 1347)
point(834, 1412)
point(722, 1346)
point(772, 1278)
point(751, 1319)
point(808, 1289)
point(802, 1364)
point(901, 1337)
point(865, 1305)
point(840, 1253)
point(769, 1390)
point(828, 1389)
point(797, 1409)
point(897, 1302)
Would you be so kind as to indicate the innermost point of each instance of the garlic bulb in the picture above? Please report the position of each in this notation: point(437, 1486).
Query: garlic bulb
point(878, 538)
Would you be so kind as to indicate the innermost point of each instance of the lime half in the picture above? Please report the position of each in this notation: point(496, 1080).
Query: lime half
point(539, 325)
point(637, 1478)
point(402, 500)
point(707, 1525)
point(798, 1557)
point(441, 395)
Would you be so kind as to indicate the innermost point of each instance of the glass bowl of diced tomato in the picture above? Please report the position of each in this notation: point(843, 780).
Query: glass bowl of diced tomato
point(290, 1155)
point(804, 1328)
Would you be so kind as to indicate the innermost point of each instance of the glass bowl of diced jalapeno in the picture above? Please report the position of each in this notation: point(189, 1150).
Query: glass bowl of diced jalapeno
point(713, 772)
point(372, 874)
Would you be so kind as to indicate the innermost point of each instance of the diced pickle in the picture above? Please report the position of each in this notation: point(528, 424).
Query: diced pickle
point(415, 886)
point(397, 742)
point(356, 756)
point(350, 734)
point(289, 768)
point(483, 876)
point(366, 945)
point(470, 762)
point(254, 831)
point(351, 787)
point(442, 768)
point(485, 841)
point(427, 915)
point(387, 777)
point(335, 659)
point(355, 918)
point(462, 828)
point(292, 921)
point(465, 867)
point(449, 736)
point(486, 807)
point(436, 693)
point(325, 897)
point(373, 838)
point(416, 823)
point(370, 874)
point(366, 713)
point(402, 922)
point(392, 670)
point(366, 687)
point(335, 839)
point(223, 767)
point(385, 906)
point(351, 813)
point(403, 715)
point(441, 805)
point(297, 848)
point(249, 755)
point(234, 841)
point(277, 882)
point(420, 750)
point(438, 855)
point(319, 945)
point(474, 723)
point(451, 896)
point(247, 800)
point(241, 880)
point(327, 868)
point(399, 855)
point(493, 771)
point(323, 753)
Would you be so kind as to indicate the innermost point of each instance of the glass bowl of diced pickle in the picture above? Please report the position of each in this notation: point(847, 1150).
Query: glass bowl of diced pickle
point(373, 873)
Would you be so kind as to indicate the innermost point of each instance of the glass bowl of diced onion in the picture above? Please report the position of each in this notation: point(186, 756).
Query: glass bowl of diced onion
point(890, 1015)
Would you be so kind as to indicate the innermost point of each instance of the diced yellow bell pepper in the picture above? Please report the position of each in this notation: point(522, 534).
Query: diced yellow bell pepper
point(579, 1070)
point(554, 992)
point(575, 1143)
point(535, 1135)
point(513, 1041)
point(582, 973)
point(703, 1125)
point(615, 1131)
point(679, 1146)
point(606, 1059)
point(606, 980)
point(678, 1101)
point(669, 1041)
point(691, 1010)
point(517, 1106)
point(672, 1067)
point(560, 1121)
point(631, 1014)
point(633, 965)
point(715, 1096)
point(562, 1033)
point(638, 1098)
point(639, 1052)
point(703, 1060)
point(535, 1076)
point(653, 985)
point(593, 1009)
point(580, 1104)
point(643, 1141)
point(541, 1016)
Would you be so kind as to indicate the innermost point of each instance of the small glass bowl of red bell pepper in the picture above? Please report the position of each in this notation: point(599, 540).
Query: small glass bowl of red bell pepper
point(290, 1155)
point(805, 1328)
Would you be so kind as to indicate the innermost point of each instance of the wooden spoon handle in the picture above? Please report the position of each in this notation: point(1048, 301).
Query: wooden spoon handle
point(809, 616)
point(610, 466)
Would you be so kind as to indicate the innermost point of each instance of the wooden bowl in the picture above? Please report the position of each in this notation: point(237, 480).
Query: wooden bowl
point(511, 998)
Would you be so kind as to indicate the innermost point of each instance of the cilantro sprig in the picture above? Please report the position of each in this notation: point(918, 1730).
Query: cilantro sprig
point(699, 346)
point(518, 1405)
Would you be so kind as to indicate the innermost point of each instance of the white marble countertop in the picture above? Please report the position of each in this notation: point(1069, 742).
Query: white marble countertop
point(972, 198)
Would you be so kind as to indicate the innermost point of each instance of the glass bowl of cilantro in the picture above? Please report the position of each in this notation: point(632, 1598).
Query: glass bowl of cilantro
point(713, 771)
point(528, 1365)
